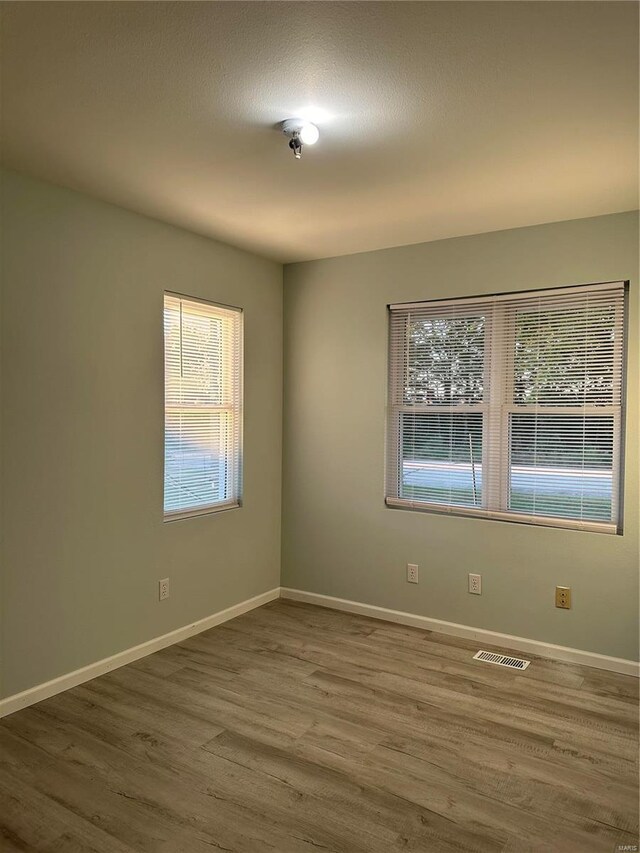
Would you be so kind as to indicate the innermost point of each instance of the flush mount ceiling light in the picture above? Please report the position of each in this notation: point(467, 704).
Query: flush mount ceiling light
point(300, 133)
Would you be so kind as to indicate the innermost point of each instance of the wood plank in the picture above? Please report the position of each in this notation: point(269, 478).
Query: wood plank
point(296, 728)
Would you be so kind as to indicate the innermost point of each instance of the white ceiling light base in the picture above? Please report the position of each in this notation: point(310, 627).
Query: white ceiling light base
point(300, 133)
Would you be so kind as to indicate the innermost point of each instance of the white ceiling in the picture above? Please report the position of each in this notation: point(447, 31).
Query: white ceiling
point(437, 118)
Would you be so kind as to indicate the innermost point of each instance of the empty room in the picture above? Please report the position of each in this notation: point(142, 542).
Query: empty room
point(319, 391)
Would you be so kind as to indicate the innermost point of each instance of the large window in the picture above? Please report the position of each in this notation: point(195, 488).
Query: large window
point(203, 407)
point(509, 406)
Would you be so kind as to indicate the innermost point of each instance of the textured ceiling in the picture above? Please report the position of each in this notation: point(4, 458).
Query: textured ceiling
point(437, 118)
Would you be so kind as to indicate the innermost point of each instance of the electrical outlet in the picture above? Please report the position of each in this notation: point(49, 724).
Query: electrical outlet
point(412, 573)
point(163, 589)
point(475, 584)
point(563, 597)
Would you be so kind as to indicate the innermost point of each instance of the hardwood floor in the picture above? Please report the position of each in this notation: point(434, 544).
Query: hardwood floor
point(297, 729)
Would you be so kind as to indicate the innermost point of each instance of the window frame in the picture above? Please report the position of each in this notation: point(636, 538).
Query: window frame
point(233, 471)
point(500, 405)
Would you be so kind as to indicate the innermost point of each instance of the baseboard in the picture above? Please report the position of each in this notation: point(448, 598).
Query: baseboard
point(509, 641)
point(521, 644)
point(86, 673)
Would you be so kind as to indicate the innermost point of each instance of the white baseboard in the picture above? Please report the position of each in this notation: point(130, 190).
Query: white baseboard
point(86, 673)
point(521, 644)
point(508, 641)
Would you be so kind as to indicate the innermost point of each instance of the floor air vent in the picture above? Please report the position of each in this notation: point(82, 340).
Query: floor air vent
point(502, 660)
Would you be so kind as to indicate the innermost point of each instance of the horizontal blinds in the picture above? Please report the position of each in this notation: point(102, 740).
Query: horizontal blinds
point(509, 405)
point(203, 406)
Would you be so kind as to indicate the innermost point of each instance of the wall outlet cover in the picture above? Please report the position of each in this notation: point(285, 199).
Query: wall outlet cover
point(475, 584)
point(412, 573)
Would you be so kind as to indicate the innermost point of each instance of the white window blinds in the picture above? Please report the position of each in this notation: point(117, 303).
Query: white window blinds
point(509, 406)
point(203, 406)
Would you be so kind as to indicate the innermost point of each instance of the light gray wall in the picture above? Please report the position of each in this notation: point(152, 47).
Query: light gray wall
point(82, 427)
point(338, 537)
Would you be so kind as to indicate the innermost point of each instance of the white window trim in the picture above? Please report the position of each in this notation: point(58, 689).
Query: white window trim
point(231, 473)
point(497, 410)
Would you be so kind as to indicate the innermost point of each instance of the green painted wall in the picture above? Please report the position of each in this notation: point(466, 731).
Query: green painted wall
point(339, 538)
point(82, 426)
point(82, 438)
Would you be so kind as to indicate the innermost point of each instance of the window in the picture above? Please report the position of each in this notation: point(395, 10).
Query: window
point(509, 406)
point(202, 407)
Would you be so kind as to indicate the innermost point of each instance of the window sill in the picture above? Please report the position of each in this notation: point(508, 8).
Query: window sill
point(197, 513)
point(513, 517)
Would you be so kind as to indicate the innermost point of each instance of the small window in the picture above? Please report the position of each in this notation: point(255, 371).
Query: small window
point(203, 407)
point(509, 406)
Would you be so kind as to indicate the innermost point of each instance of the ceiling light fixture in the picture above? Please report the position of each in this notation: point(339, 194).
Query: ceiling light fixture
point(300, 133)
